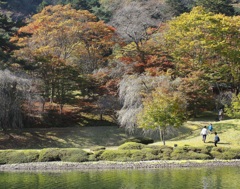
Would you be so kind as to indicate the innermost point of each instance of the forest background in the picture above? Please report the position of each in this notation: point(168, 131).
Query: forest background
point(104, 62)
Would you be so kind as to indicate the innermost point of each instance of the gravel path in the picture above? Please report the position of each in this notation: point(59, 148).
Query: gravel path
point(53, 166)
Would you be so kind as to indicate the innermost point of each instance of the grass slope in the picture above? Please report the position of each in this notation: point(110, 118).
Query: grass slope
point(112, 136)
point(228, 131)
point(68, 137)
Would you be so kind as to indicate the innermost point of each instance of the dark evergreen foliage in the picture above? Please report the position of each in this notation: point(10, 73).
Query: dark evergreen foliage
point(7, 29)
point(177, 7)
point(217, 6)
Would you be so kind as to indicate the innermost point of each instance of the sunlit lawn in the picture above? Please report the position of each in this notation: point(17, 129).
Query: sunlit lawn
point(112, 136)
point(228, 131)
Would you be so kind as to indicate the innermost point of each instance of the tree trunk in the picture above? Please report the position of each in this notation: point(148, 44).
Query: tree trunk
point(43, 105)
point(161, 135)
point(61, 109)
point(52, 92)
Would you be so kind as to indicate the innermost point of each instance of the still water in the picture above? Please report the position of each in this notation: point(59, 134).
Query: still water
point(184, 178)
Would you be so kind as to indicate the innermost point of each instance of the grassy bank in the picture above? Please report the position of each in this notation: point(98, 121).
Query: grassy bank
point(111, 136)
point(127, 152)
point(82, 144)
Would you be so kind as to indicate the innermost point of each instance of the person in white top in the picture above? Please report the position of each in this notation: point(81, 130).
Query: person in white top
point(204, 133)
point(220, 114)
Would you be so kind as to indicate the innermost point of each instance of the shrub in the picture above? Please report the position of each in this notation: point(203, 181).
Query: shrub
point(18, 156)
point(225, 153)
point(138, 155)
point(197, 155)
point(30, 156)
point(131, 146)
point(151, 154)
point(142, 140)
point(179, 153)
point(73, 155)
point(96, 156)
point(188, 152)
point(162, 152)
point(117, 155)
point(49, 154)
point(161, 149)
point(4, 156)
point(45, 155)
point(110, 155)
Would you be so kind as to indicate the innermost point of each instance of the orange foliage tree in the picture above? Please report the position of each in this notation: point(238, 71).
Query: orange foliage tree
point(61, 44)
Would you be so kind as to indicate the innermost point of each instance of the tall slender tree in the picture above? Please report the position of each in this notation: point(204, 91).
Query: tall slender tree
point(7, 30)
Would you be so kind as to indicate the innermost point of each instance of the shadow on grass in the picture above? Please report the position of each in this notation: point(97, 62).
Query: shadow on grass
point(227, 143)
point(221, 126)
point(69, 137)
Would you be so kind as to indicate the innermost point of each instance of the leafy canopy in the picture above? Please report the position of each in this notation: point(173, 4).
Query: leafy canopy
point(161, 110)
point(204, 41)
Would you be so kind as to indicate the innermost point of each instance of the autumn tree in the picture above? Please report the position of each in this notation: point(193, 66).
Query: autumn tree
point(136, 21)
point(233, 109)
point(161, 110)
point(61, 38)
point(206, 42)
point(198, 93)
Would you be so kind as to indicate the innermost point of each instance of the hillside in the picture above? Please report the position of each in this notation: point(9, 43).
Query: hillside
point(26, 8)
point(111, 136)
point(82, 69)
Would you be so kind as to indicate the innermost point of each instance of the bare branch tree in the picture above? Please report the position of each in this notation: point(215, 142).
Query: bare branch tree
point(132, 89)
point(15, 91)
point(132, 19)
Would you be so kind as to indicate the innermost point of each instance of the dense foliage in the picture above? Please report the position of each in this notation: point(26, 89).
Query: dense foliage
point(164, 108)
point(87, 54)
point(7, 29)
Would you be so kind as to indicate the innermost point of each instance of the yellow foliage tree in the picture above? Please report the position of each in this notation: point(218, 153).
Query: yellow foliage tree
point(203, 41)
point(161, 110)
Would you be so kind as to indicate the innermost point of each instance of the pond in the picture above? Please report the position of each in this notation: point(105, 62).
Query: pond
point(173, 178)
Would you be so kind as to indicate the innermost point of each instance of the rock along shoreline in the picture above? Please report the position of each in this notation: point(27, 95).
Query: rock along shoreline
point(107, 165)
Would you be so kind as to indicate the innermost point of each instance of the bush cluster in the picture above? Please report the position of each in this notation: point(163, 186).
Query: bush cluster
point(143, 140)
point(130, 151)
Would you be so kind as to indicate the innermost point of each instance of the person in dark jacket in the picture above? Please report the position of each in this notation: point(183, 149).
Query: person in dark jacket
point(216, 139)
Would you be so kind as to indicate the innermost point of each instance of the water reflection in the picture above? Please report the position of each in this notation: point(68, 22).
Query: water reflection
point(178, 178)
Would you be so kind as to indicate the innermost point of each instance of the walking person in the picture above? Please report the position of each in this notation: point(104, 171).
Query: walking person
point(216, 139)
point(220, 114)
point(210, 128)
point(204, 133)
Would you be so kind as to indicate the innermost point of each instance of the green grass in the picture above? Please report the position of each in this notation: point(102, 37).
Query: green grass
point(86, 137)
point(94, 143)
point(189, 134)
